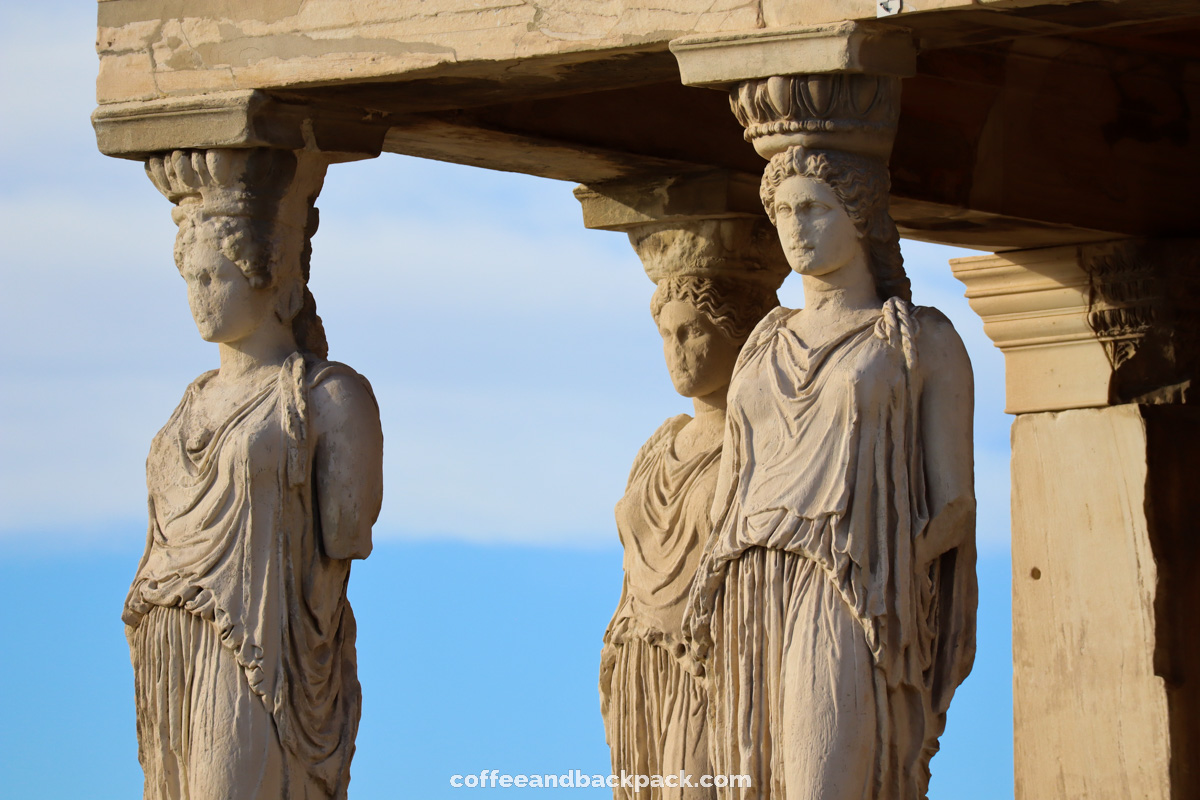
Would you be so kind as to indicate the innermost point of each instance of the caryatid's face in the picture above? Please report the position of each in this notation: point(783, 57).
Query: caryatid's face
point(817, 234)
point(700, 356)
point(225, 306)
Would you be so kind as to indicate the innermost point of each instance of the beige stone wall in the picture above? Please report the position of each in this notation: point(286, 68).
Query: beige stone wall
point(162, 49)
point(167, 48)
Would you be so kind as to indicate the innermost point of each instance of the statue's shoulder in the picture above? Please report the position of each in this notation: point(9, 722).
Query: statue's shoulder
point(664, 434)
point(928, 315)
point(338, 389)
point(200, 380)
point(934, 326)
point(192, 388)
point(938, 342)
point(766, 327)
point(336, 377)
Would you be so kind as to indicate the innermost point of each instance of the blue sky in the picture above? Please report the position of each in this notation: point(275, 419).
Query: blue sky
point(518, 372)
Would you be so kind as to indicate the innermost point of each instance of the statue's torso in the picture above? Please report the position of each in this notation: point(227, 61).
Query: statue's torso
point(663, 521)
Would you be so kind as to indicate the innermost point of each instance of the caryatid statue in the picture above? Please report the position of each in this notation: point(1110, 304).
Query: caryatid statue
point(716, 278)
point(263, 486)
point(837, 597)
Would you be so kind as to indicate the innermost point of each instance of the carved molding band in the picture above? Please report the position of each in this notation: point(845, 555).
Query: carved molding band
point(1034, 306)
point(1143, 295)
point(1093, 325)
point(843, 111)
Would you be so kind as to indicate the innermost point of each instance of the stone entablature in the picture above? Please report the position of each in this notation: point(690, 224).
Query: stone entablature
point(589, 92)
point(156, 50)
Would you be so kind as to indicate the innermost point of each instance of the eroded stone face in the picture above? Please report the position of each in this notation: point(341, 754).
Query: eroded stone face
point(698, 353)
point(817, 234)
point(225, 306)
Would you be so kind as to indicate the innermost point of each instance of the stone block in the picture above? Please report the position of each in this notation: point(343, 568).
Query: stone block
point(725, 60)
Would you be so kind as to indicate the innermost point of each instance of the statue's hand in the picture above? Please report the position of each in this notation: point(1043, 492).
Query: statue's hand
point(608, 662)
point(947, 529)
point(697, 617)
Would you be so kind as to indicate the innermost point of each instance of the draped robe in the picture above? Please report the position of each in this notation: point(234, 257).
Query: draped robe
point(654, 707)
point(241, 636)
point(834, 653)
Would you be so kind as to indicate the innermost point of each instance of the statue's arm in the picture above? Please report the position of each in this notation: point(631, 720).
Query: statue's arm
point(348, 464)
point(947, 412)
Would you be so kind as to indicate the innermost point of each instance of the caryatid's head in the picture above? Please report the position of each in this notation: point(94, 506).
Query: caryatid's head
point(246, 219)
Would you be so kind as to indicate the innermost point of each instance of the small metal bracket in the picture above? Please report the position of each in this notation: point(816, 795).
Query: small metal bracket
point(886, 8)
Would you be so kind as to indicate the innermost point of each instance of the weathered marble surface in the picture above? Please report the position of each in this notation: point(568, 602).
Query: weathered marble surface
point(151, 50)
point(159, 49)
point(836, 601)
point(713, 287)
point(263, 486)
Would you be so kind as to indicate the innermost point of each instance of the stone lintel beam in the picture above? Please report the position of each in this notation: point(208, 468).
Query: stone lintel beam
point(704, 224)
point(234, 119)
point(152, 50)
point(709, 194)
point(1091, 325)
point(722, 62)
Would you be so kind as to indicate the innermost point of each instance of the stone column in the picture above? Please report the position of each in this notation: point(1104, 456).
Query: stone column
point(716, 261)
point(822, 104)
point(274, 461)
point(1101, 349)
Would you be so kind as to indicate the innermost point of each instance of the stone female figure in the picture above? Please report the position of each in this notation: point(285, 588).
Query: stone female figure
point(838, 592)
point(263, 485)
point(653, 703)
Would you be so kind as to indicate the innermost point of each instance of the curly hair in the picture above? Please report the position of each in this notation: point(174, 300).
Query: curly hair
point(862, 185)
point(247, 225)
point(734, 306)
